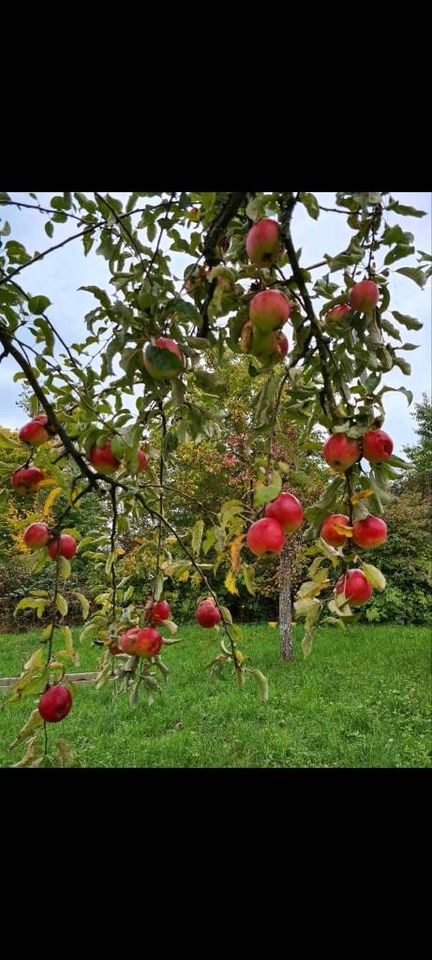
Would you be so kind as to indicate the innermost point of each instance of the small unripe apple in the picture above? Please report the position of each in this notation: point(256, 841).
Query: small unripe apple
point(265, 536)
point(287, 510)
point(170, 371)
point(36, 535)
point(338, 312)
point(103, 459)
point(34, 432)
point(369, 532)
point(269, 310)
point(55, 703)
point(207, 614)
point(377, 446)
point(263, 244)
point(340, 452)
point(355, 586)
point(270, 347)
point(65, 545)
point(158, 612)
point(26, 480)
point(329, 534)
point(364, 296)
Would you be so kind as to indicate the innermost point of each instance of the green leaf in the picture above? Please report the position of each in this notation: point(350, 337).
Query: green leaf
point(311, 203)
point(409, 322)
point(210, 383)
point(414, 273)
point(396, 235)
point(38, 304)
point(404, 211)
point(64, 568)
point(262, 683)
point(375, 577)
point(398, 252)
point(62, 605)
point(197, 534)
point(249, 578)
point(264, 494)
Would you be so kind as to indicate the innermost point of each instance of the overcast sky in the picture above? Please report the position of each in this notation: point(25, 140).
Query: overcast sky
point(61, 274)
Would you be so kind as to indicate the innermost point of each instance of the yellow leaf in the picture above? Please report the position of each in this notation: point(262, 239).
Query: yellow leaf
point(51, 499)
point(272, 623)
point(235, 552)
point(239, 656)
point(363, 495)
point(47, 482)
point(230, 582)
point(120, 552)
point(184, 576)
point(345, 531)
point(193, 214)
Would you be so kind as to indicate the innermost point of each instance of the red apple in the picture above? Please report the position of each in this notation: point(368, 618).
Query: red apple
point(287, 510)
point(65, 545)
point(142, 461)
point(34, 432)
point(127, 640)
point(26, 480)
point(369, 532)
point(158, 612)
point(336, 313)
point(103, 459)
point(355, 586)
point(329, 534)
point(377, 446)
point(364, 296)
point(170, 369)
point(55, 703)
point(207, 613)
point(36, 535)
point(263, 244)
point(340, 452)
point(269, 310)
point(265, 536)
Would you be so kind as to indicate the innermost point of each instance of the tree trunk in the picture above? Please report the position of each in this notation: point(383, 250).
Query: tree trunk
point(285, 622)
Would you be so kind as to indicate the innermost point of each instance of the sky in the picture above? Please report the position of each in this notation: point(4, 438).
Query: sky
point(61, 274)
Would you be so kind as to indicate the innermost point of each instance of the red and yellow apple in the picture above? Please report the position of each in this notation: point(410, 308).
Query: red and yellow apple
point(26, 480)
point(338, 312)
point(328, 532)
point(35, 432)
point(364, 296)
point(103, 459)
point(169, 369)
point(263, 243)
point(269, 310)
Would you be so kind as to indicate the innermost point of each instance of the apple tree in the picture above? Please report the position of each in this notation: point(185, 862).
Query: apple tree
point(151, 363)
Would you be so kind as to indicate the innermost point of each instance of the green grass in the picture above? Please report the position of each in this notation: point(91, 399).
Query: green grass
point(362, 699)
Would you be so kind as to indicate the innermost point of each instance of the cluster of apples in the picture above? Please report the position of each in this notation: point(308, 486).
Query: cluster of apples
point(104, 461)
point(363, 297)
point(342, 452)
point(37, 535)
point(269, 310)
point(143, 641)
point(283, 515)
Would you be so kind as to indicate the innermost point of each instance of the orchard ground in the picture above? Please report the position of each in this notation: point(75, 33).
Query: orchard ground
point(362, 699)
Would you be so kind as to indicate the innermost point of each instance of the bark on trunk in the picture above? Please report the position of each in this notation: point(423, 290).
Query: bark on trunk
point(285, 622)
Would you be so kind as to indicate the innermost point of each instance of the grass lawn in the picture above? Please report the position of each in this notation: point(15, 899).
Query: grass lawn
point(362, 699)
